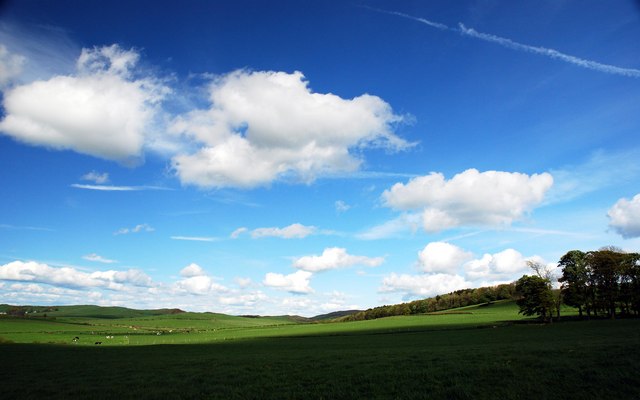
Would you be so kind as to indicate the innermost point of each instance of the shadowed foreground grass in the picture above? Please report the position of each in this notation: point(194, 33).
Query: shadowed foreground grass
point(590, 359)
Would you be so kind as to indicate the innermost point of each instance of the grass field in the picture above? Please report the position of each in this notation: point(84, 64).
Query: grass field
point(190, 328)
point(467, 354)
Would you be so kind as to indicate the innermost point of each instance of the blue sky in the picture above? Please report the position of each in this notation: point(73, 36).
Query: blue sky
point(305, 157)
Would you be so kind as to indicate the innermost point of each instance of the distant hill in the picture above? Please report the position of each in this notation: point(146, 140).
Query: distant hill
point(459, 298)
point(86, 311)
point(334, 315)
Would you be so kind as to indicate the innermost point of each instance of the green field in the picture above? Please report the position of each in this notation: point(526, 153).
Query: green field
point(470, 353)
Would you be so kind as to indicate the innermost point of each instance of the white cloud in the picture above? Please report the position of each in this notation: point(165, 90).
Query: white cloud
point(236, 234)
point(196, 281)
point(448, 268)
point(244, 282)
point(136, 229)
point(111, 188)
point(297, 282)
point(492, 198)
point(100, 111)
point(68, 277)
point(244, 300)
point(96, 177)
point(10, 65)
point(110, 59)
point(191, 270)
point(293, 231)
point(195, 238)
point(199, 285)
point(97, 258)
point(442, 257)
point(131, 277)
point(424, 285)
point(334, 257)
point(624, 217)
point(263, 126)
point(341, 206)
point(503, 266)
point(404, 222)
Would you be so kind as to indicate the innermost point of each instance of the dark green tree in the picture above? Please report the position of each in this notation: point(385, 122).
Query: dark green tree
point(607, 266)
point(575, 281)
point(631, 287)
point(536, 297)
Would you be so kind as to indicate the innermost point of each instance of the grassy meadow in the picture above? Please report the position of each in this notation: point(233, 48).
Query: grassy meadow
point(470, 353)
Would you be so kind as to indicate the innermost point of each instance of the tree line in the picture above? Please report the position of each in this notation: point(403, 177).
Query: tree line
point(601, 283)
point(459, 298)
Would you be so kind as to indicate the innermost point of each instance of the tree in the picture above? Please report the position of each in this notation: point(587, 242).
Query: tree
point(545, 273)
point(535, 297)
point(574, 281)
point(629, 296)
point(607, 265)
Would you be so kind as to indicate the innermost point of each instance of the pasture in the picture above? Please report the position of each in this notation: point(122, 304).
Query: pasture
point(477, 352)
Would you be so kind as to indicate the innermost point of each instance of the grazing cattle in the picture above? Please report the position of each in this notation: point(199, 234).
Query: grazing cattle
point(75, 339)
point(98, 343)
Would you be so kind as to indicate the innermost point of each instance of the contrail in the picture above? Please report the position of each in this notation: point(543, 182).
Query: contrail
point(551, 53)
point(403, 15)
point(510, 44)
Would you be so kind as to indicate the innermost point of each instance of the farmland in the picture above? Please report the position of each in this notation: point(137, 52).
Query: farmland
point(475, 352)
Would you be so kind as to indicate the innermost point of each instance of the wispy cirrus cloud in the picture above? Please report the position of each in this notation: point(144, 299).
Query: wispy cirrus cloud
point(195, 238)
point(601, 170)
point(293, 231)
point(136, 229)
point(111, 188)
point(25, 228)
point(98, 258)
point(511, 44)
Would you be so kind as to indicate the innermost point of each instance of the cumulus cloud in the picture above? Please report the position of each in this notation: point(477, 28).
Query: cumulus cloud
point(297, 282)
point(499, 267)
point(333, 258)
point(97, 258)
point(469, 198)
point(197, 281)
point(199, 285)
point(10, 65)
point(96, 177)
point(34, 272)
point(442, 257)
point(102, 110)
point(424, 285)
point(448, 268)
point(624, 217)
point(267, 125)
point(192, 270)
